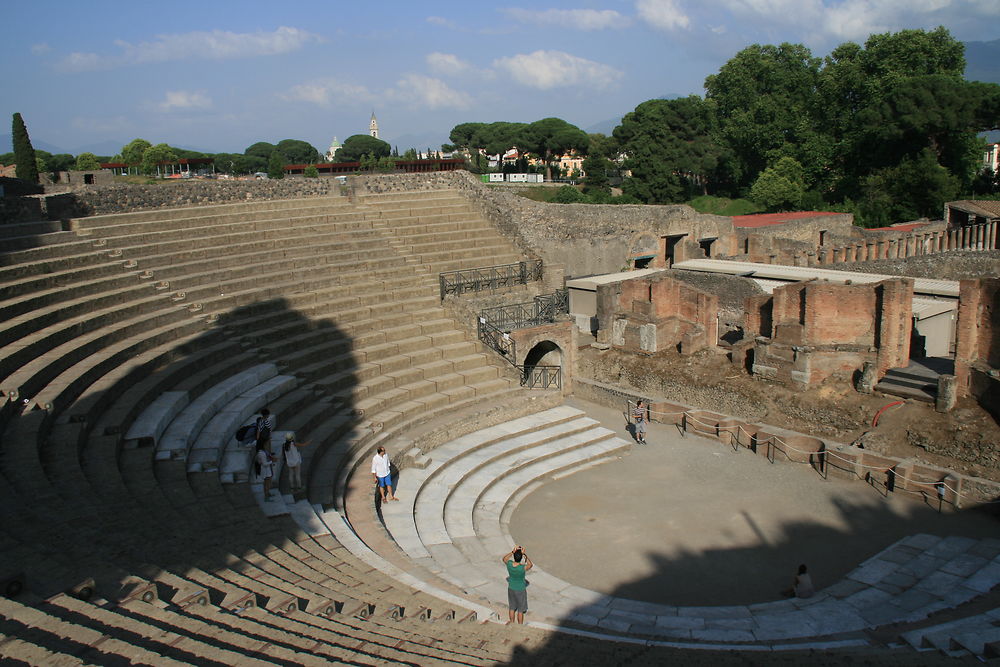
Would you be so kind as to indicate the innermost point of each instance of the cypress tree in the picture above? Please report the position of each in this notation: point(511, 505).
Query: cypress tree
point(24, 154)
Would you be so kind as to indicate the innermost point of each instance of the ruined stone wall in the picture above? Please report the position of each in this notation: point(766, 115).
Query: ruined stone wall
point(123, 198)
point(822, 329)
point(977, 330)
point(654, 313)
point(587, 239)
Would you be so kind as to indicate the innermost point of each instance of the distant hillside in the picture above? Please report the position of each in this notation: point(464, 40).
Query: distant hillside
point(982, 61)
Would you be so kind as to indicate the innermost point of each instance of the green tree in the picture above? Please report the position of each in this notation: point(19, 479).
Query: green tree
point(154, 155)
point(276, 165)
point(764, 98)
point(886, 101)
point(298, 152)
point(311, 172)
point(61, 162)
point(133, 151)
point(24, 154)
point(781, 187)
point(261, 149)
point(359, 145)
point(669, 148)
point(87, 162)
point(567, 194)
point(597, 170)
point(410, 154)
point(550, 139)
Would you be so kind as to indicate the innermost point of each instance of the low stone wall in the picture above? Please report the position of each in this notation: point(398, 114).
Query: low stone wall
point(124, 198)
point(888, 474)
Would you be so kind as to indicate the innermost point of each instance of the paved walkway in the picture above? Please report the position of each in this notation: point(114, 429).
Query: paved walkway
point(688, 521)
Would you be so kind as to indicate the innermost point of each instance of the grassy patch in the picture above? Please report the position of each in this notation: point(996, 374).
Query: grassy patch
point(539, 193)
point(724, 206)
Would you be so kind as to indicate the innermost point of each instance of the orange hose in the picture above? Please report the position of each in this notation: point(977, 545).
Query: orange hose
point(883, 409)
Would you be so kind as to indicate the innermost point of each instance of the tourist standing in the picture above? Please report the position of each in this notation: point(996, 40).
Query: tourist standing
point(382, 474)
point(265, 468)
point(639, 417)
point(293, 461)
point(264, 425)
point(518, 564)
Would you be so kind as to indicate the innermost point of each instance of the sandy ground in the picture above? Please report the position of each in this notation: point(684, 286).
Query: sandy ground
point(688, 521)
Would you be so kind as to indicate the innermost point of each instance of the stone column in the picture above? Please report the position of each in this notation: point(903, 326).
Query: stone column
point(869, 377)
point(872, 251)
point(992, 237)
point(946, 393)
point(981, 237)
point(952, 239)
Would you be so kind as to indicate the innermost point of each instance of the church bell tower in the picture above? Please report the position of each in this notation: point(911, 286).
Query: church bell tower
point(373, 126)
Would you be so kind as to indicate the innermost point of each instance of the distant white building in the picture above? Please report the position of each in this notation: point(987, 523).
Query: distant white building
point(991, 158)
point(373, 126)
point(331, 152)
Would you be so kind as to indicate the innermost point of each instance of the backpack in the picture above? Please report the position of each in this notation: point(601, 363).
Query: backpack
point(243, 432)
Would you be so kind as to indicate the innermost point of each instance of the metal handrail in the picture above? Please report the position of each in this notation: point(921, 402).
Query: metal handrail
point(542, 310)
point(489, 277)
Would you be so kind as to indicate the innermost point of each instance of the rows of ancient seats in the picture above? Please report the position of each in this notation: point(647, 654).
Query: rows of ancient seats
point(126, 555)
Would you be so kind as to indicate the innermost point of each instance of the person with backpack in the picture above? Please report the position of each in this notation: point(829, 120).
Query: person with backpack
point(264, 425)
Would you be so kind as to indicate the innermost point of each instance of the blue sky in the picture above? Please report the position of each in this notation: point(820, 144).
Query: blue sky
point(221, 75)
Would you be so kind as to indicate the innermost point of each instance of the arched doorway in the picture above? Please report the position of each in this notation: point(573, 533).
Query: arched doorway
point(538, 363)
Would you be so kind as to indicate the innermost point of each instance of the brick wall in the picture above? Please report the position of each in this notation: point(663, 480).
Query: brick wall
point(977, 331)
point(654, 313)
point(821, 329)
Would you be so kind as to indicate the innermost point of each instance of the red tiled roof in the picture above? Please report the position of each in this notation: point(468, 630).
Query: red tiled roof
point(767, 219)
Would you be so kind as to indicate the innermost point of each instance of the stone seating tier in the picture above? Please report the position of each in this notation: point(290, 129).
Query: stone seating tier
point(165, 514)
point(456, 532)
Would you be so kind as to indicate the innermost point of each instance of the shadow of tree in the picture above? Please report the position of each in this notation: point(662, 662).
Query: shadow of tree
point(83, 507)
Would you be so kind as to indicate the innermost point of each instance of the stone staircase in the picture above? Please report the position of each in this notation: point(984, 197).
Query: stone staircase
point(131, 350)
point(918, 380)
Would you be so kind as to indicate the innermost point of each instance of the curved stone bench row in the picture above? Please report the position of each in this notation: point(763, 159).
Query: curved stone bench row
point(457, 529)
point(84, 485)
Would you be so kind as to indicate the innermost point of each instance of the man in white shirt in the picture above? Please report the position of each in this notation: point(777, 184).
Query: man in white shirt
point(381, 474)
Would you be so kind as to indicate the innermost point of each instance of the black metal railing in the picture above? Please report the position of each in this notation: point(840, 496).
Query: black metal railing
point(542, 310)
point(489, 277)
point(497, 340)
point(541, 377)
point(495, 324)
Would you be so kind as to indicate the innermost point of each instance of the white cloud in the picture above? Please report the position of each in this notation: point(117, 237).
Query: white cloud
point(553, 69)
point(663, 14)
point(442, 21)
point(215, 44)
point(579, 19)
point(327, 92)
point(857, 19)
point(40, 48)
point(424, 91)
point(447, 64)
point(183, 99)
